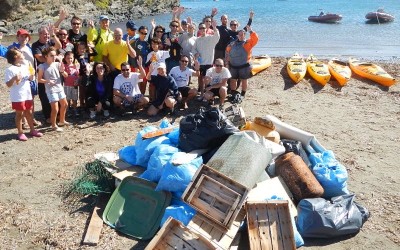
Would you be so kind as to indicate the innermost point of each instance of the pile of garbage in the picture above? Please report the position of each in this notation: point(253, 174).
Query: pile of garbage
point(203, 179)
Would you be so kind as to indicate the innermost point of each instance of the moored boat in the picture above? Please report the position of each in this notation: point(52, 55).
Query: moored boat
point(325, 18)
point(371, 71)
point(296, 68)
point(379, 16)
point(340, 71)
point(318, 70)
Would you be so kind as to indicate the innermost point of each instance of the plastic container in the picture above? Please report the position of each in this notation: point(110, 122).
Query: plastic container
point(298, 177)
point(268, 133)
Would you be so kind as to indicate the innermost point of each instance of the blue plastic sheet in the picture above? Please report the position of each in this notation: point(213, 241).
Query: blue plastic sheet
point(179, 211)
point(176, 178)
point(128, 154)
point(160, 157)
point(330, 173)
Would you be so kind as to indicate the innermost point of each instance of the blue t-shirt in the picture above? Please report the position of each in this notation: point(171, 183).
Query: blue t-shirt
point(101, 90)
point(164, 85)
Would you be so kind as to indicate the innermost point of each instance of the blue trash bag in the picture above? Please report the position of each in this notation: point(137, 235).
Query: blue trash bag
point(176, 178)
point(330, 173)
point(297, 237)
point(174, 137)
point(161, 156)
point(128, 154)
point(179, 211)
point(144, 148)
point(165, 124)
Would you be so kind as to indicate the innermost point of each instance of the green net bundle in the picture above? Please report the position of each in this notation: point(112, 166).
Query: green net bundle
point(92, 179)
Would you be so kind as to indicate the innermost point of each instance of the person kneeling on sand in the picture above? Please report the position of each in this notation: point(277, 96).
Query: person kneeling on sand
point(126, 88)
point(216, 82)
point(181, 75)
point(167, 93)
point(17, 78)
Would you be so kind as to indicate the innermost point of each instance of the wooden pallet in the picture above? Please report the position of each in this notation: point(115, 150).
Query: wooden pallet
point(215, 195)
point(220, 236)
point(174, 235)
point(269, 225)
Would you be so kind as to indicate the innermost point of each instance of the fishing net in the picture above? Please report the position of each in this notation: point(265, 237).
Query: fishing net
point(91, 179)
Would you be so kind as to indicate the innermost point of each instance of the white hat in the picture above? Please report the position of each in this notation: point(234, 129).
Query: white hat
point(161, 65)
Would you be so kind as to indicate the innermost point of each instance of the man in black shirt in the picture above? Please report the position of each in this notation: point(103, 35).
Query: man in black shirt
point(43, 42)
point(167, 93)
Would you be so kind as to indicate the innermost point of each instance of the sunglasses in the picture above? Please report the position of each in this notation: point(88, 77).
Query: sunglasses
point(62, 34)
point(143, 33)
point(219, 65)
point(124, 70)
point(184, 61)
point(159, 31)
point(234, 24)
point(202, 28)
point(76, 23)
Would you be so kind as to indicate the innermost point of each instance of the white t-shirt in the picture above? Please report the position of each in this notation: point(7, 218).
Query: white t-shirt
point(217, 77)
point(181, 77)
point(128, 86)
point(28, 54)
point(22, 91)
point(157, 57)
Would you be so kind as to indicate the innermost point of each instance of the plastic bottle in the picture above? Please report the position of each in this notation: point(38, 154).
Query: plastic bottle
point(268, 133)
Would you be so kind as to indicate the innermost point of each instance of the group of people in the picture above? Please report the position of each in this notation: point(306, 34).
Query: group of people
point(104, 69)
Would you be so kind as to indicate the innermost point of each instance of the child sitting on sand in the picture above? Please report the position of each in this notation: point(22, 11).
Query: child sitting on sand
point(17, 78)
point(49, 74)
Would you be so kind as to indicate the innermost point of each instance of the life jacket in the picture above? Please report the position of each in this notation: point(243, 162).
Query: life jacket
point(238, 55)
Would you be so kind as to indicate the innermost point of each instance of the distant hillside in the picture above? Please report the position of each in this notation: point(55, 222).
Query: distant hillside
point(31, 14)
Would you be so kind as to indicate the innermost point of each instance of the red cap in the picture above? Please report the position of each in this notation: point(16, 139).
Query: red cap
point(23, 32)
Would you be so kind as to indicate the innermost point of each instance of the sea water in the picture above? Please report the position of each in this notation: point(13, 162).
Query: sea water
point(284, 29)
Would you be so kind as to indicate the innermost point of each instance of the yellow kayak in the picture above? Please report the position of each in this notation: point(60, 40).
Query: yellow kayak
point(259, 63)
point(340, 71)
point(296, 68)
point(318, 70)
point(371, 71)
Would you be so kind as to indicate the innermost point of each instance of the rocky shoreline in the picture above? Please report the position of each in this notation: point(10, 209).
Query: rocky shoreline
point(31, 14)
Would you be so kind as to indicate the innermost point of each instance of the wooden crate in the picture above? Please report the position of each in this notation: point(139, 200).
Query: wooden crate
point(215, 195)
point(174, 235)
point(220, 236)
point(269, 225)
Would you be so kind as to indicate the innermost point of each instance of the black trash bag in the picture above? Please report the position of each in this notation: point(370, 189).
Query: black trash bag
point(208, 128)
point(320, 218)
point(297, 148)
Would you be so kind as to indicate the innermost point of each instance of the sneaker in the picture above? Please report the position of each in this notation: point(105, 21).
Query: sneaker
point(22, 137)
point(36, 133)
point(199, 98)
point(106, 113)
point(58, 129)
point(92, 114)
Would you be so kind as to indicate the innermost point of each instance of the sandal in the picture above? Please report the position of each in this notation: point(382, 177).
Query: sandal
point(58, 129)
point(36, 133)
point(36, 123)
point(22, 137)
point(64, 124)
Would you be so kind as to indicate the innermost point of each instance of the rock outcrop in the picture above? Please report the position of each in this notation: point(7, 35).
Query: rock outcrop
point(31, 14)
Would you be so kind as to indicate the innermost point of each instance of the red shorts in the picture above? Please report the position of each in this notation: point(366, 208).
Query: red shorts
point(21, 106)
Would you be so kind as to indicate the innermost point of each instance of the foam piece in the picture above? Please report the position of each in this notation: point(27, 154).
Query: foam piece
point(309, 141)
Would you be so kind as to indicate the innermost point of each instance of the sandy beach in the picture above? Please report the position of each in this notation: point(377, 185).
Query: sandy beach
point(359, 123)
